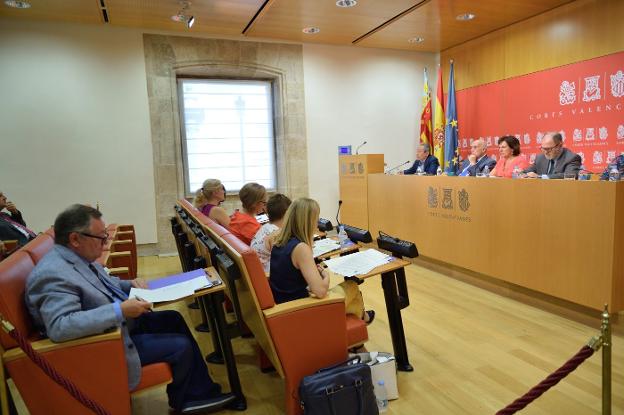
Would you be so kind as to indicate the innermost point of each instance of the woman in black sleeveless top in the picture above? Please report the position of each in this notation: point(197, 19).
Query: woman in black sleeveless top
point(293, 272)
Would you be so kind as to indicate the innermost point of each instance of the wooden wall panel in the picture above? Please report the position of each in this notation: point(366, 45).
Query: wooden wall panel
point(571, 33)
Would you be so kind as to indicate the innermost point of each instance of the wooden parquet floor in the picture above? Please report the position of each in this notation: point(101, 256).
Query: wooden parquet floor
point(473, 352)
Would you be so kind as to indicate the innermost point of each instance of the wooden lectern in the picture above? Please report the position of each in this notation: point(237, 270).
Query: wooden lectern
point(353, 171)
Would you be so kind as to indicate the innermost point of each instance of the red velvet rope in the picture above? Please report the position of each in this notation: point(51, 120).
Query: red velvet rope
point(548, 383)
point(67, 384)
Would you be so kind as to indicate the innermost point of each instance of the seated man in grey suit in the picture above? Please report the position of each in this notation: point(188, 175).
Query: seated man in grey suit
point(71, 296)
point(12, 225)
point(477, 160)
point(425, 163)
point(555, 162)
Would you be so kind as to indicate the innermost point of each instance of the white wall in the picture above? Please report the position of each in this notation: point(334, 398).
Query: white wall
point(74, 117)
point(74, 123)
point(356, 94)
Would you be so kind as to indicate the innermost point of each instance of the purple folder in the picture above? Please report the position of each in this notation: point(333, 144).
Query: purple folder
point(174, 279)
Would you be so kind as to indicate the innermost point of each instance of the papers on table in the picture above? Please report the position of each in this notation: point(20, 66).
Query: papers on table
point(358, 263)
point(173, 287)
point(324, 246)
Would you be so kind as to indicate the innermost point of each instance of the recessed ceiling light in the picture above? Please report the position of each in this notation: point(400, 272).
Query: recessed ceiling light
point(346, 3)
point(416, 39)
point(17, 4)
point(465, 17)
point(310, 30)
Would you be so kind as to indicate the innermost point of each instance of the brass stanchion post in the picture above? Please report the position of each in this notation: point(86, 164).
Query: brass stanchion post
point(605, 330)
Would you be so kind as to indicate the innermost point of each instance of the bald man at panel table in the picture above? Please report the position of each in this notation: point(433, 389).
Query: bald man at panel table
point(478, 160)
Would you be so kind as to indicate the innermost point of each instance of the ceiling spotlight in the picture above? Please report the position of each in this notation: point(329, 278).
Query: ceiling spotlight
point(17, 4)
point(416, 39)
point(465, 17)
point(310, 30)
point(182, 16)
point(346, 3)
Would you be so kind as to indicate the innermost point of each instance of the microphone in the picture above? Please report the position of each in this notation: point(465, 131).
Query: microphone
point(359, 147)
point(338, 212)
point(396, 167)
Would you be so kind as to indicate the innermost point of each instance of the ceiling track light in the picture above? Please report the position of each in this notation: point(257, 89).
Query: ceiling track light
point(465, 17)
point(16, 4)
point(183, 15)
point(346, 3)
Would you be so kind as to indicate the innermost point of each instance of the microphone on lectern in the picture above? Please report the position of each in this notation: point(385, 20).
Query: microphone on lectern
point(359, 147)
point(396, 167)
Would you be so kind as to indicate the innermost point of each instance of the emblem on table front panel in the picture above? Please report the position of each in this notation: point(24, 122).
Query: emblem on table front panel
point(464, 203)
point(447, 200)
point(432, 197)
point(352, 168)
point(343, 168)
point(360, 168)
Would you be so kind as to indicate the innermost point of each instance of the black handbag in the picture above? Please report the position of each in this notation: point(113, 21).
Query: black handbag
point(342, 389)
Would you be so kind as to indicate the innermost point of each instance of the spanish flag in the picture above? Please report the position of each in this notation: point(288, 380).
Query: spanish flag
point(439, 122)
point(425, 117)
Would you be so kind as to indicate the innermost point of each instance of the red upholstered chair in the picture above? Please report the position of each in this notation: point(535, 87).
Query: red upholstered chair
point(299, 337)
point(96, 364)
point(38, 247)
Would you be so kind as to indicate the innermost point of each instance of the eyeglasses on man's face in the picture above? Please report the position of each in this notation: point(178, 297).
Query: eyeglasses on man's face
point(549, 149)
point(102, 239)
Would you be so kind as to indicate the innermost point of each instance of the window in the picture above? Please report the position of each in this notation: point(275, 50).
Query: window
point(227, 132)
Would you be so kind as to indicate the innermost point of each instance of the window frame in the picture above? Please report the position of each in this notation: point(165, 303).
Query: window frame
point(190, 193)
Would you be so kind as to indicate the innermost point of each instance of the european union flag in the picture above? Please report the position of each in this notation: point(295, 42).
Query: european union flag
point(451, 150)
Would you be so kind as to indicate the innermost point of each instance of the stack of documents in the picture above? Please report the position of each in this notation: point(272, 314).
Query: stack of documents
point(173, 287)
point(358, 263)
point(324, 246)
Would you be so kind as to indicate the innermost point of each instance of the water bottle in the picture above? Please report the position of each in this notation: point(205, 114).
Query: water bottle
point(382, 396)
point(516, 173)
point(439, 171)
point(486, 171)
point(420, 170)
point(614, 173)
point(342, 237)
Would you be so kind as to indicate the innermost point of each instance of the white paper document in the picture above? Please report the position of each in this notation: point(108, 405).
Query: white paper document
point(170, 292)
point(358, 263)
point(324, 246)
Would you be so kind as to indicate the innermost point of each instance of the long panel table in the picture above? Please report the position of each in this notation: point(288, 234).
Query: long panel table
point(558, 237)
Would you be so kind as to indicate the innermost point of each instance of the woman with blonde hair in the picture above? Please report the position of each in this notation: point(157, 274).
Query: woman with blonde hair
point(294, 273)
point(243, 224)
point(208, 199)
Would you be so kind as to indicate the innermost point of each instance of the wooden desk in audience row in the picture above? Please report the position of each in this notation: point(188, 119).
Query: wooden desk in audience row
point(558, 237)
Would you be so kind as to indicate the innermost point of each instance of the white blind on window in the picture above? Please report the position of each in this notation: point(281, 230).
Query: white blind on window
point(228, 132)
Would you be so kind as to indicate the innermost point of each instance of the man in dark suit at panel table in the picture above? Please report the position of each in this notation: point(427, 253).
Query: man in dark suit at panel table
point(478, 160)
point(425, 163)
point(555, 162)
point(12, 225)
point(71, 296)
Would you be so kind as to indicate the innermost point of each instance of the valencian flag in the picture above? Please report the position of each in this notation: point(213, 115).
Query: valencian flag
point(451, 150)
point(438, 122)
point(425, 117)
